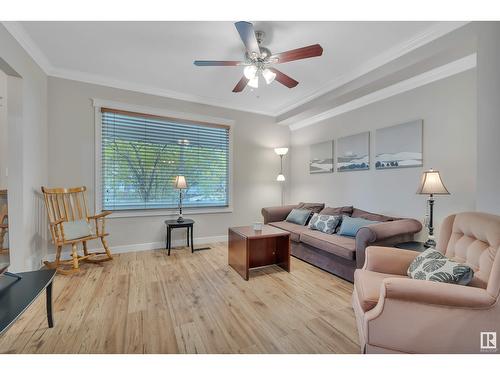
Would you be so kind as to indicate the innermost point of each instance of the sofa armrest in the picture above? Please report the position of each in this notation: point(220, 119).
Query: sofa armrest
point(388, 260)
point(278, 213)
point(435, 293)
point(386, 233)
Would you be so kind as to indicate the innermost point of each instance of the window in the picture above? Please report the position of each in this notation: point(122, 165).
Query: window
point(142, 154)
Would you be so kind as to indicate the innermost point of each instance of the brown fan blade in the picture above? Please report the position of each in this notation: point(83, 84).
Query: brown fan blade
point(218, 63)
point(298, 54)
point(241, 84)
point(284, 79)
point(247, 35)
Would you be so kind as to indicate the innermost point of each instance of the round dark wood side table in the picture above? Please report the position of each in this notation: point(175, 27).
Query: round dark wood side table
point(173, 224)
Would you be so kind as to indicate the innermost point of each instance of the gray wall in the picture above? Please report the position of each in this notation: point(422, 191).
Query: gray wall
point(27, 132)
point(448, 108)
point(71, 158)
point(3, 131)
point(488, 113)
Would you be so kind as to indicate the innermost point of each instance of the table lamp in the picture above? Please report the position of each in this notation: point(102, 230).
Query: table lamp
point(431, 184)
point(180, 183)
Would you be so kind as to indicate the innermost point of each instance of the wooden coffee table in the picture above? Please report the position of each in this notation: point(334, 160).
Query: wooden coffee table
point(249, 248)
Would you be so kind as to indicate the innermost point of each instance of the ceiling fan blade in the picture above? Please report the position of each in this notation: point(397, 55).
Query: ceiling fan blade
point(298, 54)
point(241, 84)
point(284, 79)
point(218, 63)
point(247, 35)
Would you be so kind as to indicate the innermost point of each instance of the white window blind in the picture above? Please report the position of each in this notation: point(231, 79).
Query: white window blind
point(142, 154)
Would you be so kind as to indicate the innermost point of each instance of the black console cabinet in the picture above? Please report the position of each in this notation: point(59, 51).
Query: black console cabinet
point(17, 294)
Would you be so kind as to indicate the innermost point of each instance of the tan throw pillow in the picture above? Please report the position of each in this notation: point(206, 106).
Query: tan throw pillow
point(76, 229)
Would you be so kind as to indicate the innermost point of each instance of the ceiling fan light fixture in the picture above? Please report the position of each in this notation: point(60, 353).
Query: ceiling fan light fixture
point(254, 82)
point(268, 75)
point(250, 71)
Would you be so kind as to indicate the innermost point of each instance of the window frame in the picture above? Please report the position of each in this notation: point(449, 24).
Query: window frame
point(150, 212)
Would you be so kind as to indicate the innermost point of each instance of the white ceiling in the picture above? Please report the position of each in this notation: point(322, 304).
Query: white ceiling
point(157, 57)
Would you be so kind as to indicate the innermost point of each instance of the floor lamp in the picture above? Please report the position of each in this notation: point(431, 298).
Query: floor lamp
point(281, 151)
point(431, 185)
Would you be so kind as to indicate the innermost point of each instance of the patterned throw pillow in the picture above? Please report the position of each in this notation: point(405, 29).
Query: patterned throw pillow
point(433, 266)
point(324, 223)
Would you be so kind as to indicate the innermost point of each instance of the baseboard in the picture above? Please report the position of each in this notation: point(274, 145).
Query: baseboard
point(66, 253)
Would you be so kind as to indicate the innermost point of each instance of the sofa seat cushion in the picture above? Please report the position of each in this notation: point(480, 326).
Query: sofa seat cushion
point(344, 247)
point(367, 284)
point(294, 229)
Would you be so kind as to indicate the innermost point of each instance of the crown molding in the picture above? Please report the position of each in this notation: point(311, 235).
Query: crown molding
point(95, 79)
point(444, 71)
point(19, 33)
point(430, 34)
point(22, 37)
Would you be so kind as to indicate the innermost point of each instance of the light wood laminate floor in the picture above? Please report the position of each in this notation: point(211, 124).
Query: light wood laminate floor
point(146, 302)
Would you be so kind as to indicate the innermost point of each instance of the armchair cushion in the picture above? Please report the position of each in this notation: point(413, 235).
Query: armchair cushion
point(76, 229)
point(389, 260)
point(434, 266)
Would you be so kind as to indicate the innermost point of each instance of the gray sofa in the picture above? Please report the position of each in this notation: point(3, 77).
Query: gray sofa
point(336, 254)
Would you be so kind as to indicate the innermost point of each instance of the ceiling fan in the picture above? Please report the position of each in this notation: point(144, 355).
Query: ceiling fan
point(259, 60)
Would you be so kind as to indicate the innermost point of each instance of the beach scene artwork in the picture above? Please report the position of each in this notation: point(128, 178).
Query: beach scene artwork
point(353, 152)
point(321, 157)
point(399, 146)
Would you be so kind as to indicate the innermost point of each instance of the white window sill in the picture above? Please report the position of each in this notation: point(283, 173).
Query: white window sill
point(169, 212)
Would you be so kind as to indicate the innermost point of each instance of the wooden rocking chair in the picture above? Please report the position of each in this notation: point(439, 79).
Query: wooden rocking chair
point(67, 207)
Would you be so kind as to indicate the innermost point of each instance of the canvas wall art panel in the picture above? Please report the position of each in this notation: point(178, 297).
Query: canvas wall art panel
point(321, 157)
point(399, 146)
point(353, 152)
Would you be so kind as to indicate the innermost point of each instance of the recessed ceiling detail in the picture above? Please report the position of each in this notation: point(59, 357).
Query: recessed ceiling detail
point(157, 57)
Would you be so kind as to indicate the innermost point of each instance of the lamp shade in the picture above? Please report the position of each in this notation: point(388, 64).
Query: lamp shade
point(280, 177)
point(180, 182)
point(432, 183)
point(281, 150)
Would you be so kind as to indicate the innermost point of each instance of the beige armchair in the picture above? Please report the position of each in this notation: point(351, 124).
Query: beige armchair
point(396, 314)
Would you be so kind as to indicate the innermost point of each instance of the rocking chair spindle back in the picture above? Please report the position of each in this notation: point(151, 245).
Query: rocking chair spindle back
point(65, 205)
